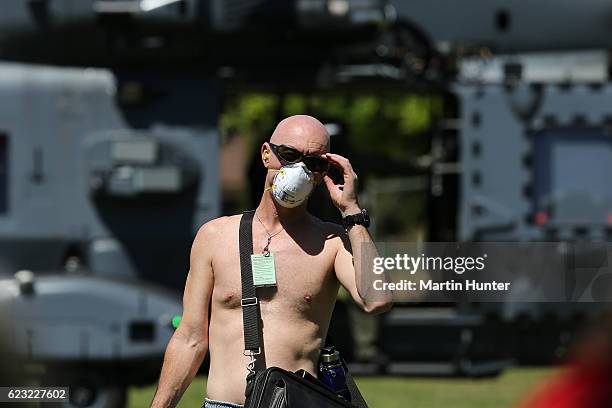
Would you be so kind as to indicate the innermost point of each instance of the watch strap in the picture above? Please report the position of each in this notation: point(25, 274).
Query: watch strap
point(354, 219)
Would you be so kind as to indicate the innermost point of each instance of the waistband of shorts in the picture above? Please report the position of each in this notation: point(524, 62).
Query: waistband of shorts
point(210, 403)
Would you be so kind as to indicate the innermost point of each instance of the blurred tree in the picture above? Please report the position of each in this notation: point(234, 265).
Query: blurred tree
point(249, 114)
point(383, 122)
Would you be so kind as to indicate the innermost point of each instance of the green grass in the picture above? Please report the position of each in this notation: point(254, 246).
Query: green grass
point(392, 392)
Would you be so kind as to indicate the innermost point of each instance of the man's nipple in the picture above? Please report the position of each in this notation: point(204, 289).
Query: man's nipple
point(307, 297)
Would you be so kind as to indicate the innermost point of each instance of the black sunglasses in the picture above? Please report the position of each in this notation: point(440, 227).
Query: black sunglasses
point(290, 155)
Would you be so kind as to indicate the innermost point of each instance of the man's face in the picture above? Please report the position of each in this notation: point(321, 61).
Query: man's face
point(298, 139)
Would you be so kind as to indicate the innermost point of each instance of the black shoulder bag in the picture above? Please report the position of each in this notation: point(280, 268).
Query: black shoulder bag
point(274, 387)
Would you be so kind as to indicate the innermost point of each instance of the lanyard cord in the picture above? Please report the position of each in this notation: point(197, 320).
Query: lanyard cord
point(266, 250)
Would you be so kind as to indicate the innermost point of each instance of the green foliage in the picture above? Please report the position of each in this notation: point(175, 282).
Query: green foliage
point(294, 104)
point(249, 114)
point(387, 123)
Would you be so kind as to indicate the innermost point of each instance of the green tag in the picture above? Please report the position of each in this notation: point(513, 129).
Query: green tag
point(264, 272)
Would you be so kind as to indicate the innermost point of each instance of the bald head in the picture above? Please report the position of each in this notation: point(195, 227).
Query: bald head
point(302, 132)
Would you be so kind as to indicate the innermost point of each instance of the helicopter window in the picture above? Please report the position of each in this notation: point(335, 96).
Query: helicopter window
point(572, 166)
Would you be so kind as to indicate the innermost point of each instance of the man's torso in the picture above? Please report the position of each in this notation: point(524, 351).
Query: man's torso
point(295, 313)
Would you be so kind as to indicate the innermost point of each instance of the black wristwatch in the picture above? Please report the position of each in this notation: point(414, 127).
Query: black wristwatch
point(362, 218)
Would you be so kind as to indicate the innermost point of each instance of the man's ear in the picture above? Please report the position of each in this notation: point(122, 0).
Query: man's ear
point(265, 154)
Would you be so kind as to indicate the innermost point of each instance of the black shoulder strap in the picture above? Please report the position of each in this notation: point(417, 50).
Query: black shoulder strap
point(250, 311)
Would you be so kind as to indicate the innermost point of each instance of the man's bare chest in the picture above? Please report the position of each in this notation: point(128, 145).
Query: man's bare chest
point(304, 275)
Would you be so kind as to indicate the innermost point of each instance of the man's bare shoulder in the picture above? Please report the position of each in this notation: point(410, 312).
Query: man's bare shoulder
point(219, 225)
point(215, 229)
point(329, 229)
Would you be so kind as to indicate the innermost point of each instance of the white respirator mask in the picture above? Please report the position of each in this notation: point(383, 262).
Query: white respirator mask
point(292, 185)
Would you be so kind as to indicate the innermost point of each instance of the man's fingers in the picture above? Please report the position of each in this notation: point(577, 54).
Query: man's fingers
point(328, 182)
point(341, 162)
point(331, 186)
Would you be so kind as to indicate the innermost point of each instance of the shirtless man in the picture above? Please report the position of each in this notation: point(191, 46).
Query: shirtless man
point(312, 259)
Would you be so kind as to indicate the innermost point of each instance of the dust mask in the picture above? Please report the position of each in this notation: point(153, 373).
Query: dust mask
point(292, 185)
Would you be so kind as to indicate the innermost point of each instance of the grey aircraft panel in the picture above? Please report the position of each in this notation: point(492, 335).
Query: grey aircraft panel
point(50, 193)
point(500, 163)
point(531, 25)
point(107, 319)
